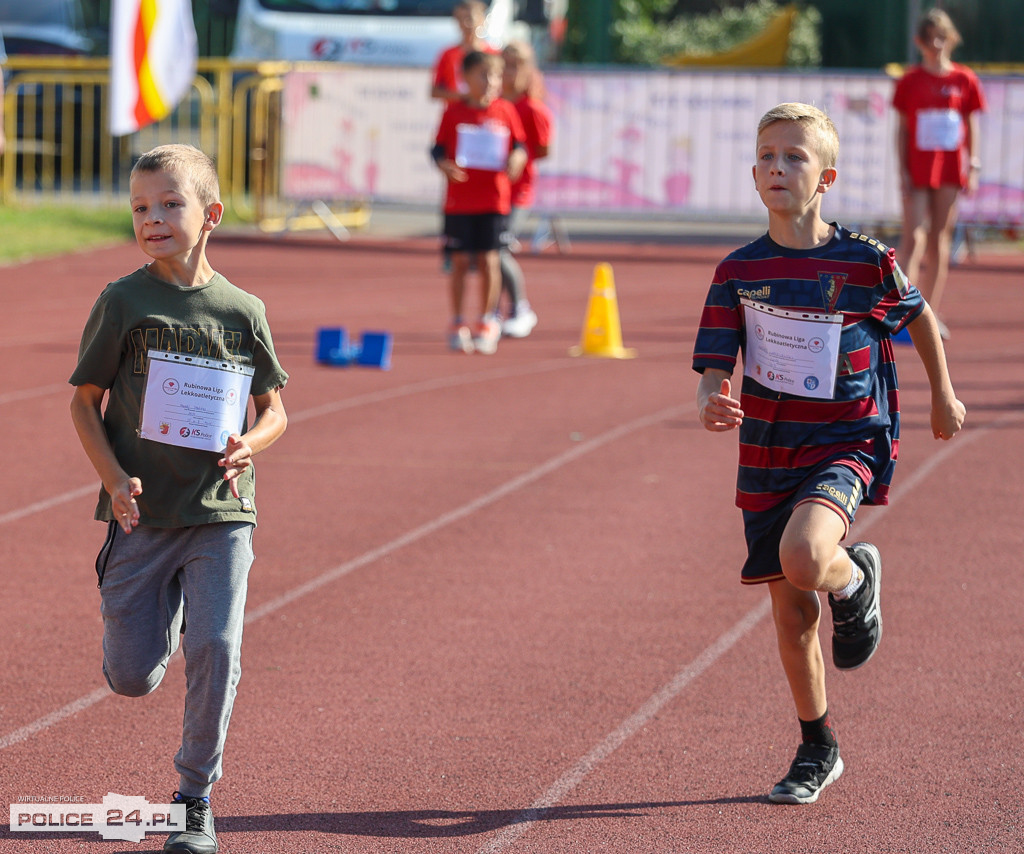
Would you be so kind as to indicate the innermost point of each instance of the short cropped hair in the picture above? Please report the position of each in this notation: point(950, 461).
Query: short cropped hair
point(478, 57)
point(938, 19)
point(477, 7)
point(186, 161)
point(519, 50)
point(814, 120)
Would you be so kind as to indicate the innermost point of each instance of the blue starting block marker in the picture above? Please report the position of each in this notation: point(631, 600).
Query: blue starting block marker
point(373, 350)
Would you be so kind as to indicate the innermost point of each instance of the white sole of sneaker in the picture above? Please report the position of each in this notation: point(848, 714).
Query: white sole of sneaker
point(788, 798)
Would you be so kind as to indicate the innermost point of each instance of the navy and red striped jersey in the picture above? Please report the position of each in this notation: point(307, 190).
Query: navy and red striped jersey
point(784, 437)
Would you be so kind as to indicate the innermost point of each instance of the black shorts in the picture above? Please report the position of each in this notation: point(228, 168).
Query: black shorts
point(482, 232)
point(837, 486)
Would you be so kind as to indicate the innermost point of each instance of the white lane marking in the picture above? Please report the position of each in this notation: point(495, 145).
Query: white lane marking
point(399, 542)
point(521, 823)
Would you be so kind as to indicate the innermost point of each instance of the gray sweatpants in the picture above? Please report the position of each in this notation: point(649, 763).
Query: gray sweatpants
point(154, 578)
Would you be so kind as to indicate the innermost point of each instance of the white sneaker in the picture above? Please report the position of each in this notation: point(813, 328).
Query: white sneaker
point(460, 338)
point(520, 324)
point(487, 335)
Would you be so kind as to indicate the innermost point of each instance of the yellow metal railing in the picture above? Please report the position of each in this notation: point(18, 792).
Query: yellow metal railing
point(59, 147)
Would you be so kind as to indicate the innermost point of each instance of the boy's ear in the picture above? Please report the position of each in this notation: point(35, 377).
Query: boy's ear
point(214, 214)
point(827, 179)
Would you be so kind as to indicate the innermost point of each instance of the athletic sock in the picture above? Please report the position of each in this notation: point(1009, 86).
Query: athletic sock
point(820, 731)
point(856, 580)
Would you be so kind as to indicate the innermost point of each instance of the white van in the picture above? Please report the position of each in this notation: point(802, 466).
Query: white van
point(365, 32)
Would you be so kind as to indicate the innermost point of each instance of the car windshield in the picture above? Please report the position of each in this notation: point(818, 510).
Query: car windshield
point(433, 8)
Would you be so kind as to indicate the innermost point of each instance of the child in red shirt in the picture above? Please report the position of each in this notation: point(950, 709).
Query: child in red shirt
point(937, 144)
point(470, 15)
point(480, 148)
point(520, 81)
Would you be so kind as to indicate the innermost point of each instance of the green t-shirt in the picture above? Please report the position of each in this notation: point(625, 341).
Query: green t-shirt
point(180, 486)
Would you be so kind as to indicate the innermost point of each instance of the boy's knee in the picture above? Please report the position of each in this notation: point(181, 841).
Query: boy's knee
point(129, 682)
point(804, 563)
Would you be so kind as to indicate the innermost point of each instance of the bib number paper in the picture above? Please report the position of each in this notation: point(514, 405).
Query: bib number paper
point(796, 352)
point(194, 402)
point(939, 130)
point(482, 147)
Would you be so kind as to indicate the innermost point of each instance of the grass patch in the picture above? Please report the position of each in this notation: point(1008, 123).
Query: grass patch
point(42, 231)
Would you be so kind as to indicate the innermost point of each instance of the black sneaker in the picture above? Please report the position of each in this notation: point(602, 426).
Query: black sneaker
point(815, 766)
point(198, 836)
point(857, 621)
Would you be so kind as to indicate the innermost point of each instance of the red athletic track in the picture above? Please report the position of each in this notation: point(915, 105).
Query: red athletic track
point(496, 604)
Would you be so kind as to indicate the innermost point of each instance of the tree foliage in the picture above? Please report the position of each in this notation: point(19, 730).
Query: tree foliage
point(644, 32)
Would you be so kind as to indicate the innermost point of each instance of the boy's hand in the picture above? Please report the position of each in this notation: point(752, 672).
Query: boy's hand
point(453, 171)
point(123, 504)
point(516, 164)
point(720, 411)
point(947, 417)
point(237, 458)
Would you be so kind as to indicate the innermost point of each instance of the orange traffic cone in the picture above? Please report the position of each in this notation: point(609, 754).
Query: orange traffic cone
point(602, 333)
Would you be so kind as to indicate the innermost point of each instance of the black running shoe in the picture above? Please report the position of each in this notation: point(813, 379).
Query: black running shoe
point(815, 766)
point(198, 836)
point(857, 621)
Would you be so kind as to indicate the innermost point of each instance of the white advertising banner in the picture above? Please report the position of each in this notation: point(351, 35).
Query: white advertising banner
point(657, 142)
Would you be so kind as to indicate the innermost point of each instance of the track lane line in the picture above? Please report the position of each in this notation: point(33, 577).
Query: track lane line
point(338, 406)
point(504, 838)
point(413, 535)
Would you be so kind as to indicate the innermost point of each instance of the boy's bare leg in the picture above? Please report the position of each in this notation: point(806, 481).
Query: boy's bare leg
point(811, 556)
point(489, 264)
point(457, 288)
point(796, 614)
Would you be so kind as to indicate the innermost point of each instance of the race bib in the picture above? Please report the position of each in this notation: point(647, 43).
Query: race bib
point(193, 402)
point(939, 130)
point(482, 147)
point(796, 352)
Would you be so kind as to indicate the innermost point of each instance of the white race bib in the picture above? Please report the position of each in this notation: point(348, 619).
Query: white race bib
point(939, 130)
point(796, 352)
point(482, 147)
point(194, 402)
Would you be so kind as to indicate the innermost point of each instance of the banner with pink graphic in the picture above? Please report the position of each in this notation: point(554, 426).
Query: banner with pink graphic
point(660, 143)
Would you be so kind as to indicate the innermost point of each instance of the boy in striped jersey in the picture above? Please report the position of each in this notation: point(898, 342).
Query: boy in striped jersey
point(813, 307)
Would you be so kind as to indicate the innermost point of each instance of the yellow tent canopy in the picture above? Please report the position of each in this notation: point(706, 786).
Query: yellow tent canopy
point(766, 49)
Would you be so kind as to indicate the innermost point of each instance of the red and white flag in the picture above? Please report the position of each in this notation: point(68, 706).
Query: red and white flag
point(153, 54)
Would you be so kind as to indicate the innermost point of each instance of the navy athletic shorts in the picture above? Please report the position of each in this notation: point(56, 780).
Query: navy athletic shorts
point(836, 485)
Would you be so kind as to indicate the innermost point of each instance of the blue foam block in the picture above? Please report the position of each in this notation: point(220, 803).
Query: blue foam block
point(375, 350)
point(332, 347)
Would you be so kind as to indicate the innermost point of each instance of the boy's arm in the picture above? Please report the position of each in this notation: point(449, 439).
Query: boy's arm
point(717, 409)
point(948, 413)
point(452, 171)
point(122, 488)
point(270, 422)
point(516, 163)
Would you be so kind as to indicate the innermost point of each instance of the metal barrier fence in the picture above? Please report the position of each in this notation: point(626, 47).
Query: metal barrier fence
point(290, 138)
point(60, 149)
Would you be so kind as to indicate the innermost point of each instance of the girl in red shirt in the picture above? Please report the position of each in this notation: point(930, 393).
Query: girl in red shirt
point(937, 144)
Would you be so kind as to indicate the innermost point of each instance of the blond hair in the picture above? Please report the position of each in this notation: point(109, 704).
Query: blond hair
point(819, 125)
point(939, 20)
point(187, 162)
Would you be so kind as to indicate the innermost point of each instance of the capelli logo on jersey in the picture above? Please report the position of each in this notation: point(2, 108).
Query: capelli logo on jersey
point(761, 294)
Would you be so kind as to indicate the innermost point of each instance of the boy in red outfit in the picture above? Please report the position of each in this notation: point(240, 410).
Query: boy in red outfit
point(480, 148)
point(470, 15)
